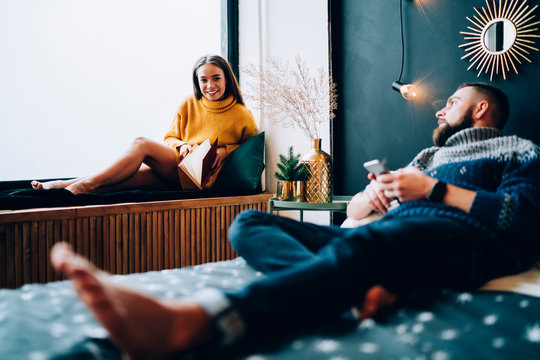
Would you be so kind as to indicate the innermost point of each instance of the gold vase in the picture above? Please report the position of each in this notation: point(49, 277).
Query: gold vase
point(318, 188)
point(290, 190)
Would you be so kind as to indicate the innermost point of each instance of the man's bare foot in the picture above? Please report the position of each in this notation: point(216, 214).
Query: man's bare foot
point(376, 298)
point(54, 184)
point(144, 327)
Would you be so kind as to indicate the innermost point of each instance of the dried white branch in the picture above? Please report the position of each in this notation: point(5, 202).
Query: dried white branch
point(292, 97)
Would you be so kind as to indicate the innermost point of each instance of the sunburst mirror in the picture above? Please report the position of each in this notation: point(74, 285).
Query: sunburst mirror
point(502, 37)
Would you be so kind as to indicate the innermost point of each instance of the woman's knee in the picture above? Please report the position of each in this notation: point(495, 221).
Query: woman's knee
point(141, 142)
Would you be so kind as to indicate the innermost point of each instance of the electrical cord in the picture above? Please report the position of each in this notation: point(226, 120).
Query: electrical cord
point(402, 38)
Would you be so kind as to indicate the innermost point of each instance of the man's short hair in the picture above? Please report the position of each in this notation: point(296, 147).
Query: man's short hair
point(494, 96)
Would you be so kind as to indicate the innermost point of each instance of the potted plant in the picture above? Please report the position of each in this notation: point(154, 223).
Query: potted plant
point(291, 175)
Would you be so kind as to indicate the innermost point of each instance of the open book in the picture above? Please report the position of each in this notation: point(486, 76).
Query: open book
point(195, 169)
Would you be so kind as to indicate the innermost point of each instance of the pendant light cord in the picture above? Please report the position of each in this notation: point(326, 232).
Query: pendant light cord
point(402, 38)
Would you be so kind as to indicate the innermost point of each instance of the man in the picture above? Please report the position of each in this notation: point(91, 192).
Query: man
point(465, 216)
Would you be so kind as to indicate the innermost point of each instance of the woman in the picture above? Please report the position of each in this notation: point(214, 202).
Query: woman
point(216, 110)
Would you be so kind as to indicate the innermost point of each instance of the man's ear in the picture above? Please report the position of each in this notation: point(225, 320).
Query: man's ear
point(481, 110)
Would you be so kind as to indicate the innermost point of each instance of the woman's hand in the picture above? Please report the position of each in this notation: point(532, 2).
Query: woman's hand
point(221, 154)
point(371, 199)
point(183, 151)
point(375, 196)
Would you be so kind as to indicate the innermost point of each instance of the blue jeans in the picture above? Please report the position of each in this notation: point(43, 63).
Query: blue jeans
point(315, 273)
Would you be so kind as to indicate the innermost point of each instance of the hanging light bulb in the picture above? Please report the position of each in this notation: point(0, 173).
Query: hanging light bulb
point(408, 91)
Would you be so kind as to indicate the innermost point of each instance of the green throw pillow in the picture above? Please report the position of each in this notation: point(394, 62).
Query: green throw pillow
point(243, 167)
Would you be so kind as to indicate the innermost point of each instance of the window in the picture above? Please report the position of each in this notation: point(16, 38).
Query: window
point(80, 79)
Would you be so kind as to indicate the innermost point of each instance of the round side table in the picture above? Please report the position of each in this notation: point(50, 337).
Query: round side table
point(338, 204)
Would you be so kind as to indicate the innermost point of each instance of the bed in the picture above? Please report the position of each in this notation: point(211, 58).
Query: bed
point(501, 321)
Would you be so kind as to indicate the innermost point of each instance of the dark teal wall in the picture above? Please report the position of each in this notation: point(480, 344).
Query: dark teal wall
point(373, 121)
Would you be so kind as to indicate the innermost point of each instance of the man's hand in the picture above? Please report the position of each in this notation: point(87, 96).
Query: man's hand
point(406, 184)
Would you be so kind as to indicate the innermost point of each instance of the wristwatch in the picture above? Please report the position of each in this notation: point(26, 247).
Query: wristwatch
point(437, 192)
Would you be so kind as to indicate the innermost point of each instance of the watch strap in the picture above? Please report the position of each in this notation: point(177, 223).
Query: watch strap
point(437, 192)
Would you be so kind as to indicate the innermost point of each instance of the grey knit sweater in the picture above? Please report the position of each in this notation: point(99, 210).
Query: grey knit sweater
point(503, 170)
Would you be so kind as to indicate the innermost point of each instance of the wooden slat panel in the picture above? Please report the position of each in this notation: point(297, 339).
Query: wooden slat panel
point(86, 237)
point(212, 238)
point(200, 236)
point(159, 241)
point(209, 238)
point(30, 266)
point(64, 236)
point(222, 229)
point(194, 237)
point(38, 237)
point(18, 254)
point(78, 236)
point(166, 234)
point(155, 241)
point(177, 243)
point(116, 246)
point(3, 257)
point(43, 252)
point(92, 253)
point(11, 279)
point(131, 243)
point(149, 243)
point(230, 217)
point(183, 240)
point(144, 247)
point(67, 232)
point(171, 238)
point(189, 236)
point(123, 244)
point(137, 242)
point(99, 242)
point(164, 239)
point(52, 275)
point(106, 243)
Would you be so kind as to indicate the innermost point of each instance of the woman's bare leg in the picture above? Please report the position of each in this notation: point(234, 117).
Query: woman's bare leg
point(160, 158)
point(145, 178)
point(144, 327)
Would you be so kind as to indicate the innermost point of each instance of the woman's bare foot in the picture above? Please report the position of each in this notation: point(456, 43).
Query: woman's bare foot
point(376, 298)
point(54, 184)
point(144, 327)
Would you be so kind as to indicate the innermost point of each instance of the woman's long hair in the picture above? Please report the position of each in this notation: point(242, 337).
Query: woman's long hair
point(232, 87)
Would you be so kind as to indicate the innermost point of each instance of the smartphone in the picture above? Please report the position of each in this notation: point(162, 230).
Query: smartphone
point(376, 167)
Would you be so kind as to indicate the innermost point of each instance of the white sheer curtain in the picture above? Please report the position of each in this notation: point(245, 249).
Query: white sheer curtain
point(80, 79)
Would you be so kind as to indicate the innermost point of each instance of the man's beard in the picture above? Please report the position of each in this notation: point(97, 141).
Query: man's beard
point(441, 134)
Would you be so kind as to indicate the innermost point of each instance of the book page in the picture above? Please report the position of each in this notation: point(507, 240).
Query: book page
point(193, 162)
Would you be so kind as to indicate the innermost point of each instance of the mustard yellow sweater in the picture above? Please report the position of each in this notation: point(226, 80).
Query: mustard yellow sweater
point(198, 120)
